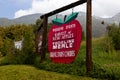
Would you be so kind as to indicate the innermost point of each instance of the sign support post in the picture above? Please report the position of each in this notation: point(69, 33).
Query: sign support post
point(88, 31)
point(43, 48)
point(89, 38)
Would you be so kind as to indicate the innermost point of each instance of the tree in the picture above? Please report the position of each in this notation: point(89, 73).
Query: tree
point(28, 46)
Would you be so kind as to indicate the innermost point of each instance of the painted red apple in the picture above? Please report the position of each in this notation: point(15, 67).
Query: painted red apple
point(64, 41)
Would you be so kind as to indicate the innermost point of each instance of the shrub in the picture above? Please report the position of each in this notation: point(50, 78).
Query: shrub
point(114, 33)
point(26, 55)
point(18, 58)
point(106, 44)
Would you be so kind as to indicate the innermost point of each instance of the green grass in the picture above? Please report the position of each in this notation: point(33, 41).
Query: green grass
point(106, 65)
point(107, 62)
point(23, 72)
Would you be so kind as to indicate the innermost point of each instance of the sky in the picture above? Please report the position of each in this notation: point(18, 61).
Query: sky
point(16, 8)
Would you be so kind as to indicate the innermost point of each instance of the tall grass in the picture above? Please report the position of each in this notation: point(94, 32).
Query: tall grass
point(106, 64)
point(100, 58)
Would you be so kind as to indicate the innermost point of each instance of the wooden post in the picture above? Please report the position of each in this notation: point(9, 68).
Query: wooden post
point(89, 38)
point(36, 42)
point(44, 36)
point(37, 36)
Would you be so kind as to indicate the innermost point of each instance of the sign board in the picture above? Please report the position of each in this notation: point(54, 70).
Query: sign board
point(18, 45)
point(64, 41)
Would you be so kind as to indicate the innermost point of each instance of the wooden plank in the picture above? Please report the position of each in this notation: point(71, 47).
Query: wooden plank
point(40, 27)
point(64, 8)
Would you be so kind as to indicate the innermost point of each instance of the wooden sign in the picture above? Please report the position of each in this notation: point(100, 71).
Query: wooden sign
point(64, 40)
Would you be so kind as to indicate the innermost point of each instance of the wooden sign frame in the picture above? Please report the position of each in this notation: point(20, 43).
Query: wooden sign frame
point(88, 30)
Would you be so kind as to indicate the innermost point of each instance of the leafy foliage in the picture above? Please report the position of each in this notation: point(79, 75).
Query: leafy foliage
point(28, 47)
point(114, 33)
point(8, 50)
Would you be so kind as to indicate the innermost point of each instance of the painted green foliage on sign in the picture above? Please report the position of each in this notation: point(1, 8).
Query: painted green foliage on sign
point(69, 18)
point(57, 21)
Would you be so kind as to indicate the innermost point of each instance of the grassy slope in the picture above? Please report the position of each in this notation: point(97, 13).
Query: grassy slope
point(108, 63)
point(23, 72)
point(102, 57)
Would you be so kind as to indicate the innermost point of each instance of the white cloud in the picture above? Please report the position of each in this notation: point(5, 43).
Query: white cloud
point(21, 13)
point(100, 8)
point(44, 6)
point(106, 8)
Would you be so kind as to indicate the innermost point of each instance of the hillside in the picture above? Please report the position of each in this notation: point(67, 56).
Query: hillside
point(5, 22)
point(97, 28)
point(114, 19)
point(23, 72)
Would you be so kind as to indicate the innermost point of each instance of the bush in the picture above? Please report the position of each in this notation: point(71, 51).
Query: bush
point(106, 44)
point(18, 58)
point(76, 68)
point(24, 56)
point(11, 59)
point(114, 33)
point(7, 46)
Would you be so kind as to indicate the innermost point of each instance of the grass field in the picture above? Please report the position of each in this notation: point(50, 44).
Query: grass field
point(106, 65)
point(23, 72)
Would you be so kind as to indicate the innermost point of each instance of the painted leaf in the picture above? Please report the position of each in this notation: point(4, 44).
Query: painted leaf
point(71, 17)
point(57, 21)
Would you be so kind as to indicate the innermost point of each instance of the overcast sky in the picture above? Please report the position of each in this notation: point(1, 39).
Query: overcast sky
point(17, 8)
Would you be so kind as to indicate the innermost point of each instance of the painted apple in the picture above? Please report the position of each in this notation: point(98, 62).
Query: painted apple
point(64, 40)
